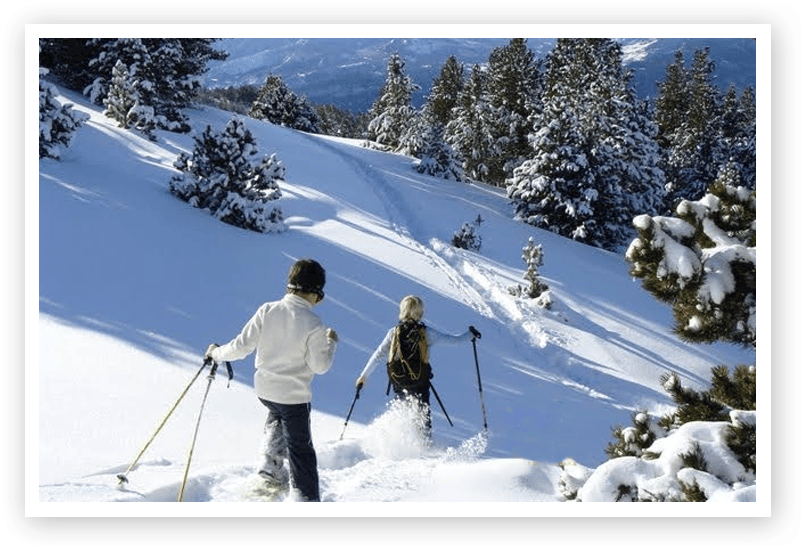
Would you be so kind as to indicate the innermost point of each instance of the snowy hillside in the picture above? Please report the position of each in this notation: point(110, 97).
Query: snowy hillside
point(134, 284)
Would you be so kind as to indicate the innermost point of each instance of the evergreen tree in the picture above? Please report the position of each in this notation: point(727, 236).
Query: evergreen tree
point(224, 176)
point(593, 161)
point(134, 56)
point(468, 132)
point(533, 257)
point(236, 99)
point(555, 187)
point(730, 120)
point(68, 59)
point(446, 89)
point(672, 102)
point(392, 114)
point(425, 138)
point(168, 69)
point(123, 104)
point(730, 401)
point(703, 262)
point(182, 61)
point(737, 137)
point(512, 88)
point(173, 86)
point(340, 122)
point(57, 122)
point(466, 238)
point(687, 120)
point(535, 288)
point(436, 157)
point(122, 95)
point(279, 105)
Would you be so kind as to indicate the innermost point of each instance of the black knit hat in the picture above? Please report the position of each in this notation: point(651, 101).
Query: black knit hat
point(308, 276)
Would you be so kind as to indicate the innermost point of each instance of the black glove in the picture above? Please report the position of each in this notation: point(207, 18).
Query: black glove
point(475, 332)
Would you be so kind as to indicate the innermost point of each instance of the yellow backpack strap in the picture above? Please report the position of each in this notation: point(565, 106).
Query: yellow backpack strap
point(423, 345)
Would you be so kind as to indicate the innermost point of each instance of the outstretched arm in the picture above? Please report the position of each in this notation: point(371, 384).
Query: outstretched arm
point(436, 337)
point(379, 357)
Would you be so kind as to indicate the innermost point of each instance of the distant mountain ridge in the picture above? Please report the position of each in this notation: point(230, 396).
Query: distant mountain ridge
point(348, 72)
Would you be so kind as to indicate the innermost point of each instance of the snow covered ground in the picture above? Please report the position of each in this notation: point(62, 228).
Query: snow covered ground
point(134, 284)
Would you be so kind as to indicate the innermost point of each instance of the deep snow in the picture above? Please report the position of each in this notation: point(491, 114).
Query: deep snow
point(133, 285)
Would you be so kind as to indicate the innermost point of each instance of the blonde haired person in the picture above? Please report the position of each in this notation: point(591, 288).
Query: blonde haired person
point(405, 351)
point(292, 346)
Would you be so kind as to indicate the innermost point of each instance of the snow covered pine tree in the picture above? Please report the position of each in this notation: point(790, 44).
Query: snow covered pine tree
point(57, 122)
point(123, 102)
point(392, 113)
point(704, 263)
point(222, 177)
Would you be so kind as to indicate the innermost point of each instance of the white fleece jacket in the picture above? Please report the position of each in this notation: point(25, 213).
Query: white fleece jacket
point(291, 347)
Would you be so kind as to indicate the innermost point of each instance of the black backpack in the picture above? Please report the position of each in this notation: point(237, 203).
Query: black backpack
point(408, 359)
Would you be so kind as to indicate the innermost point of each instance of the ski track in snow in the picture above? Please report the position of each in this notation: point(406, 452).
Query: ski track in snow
point(407, 226)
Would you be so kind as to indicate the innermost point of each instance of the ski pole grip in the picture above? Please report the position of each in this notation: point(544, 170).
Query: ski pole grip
point(475, 332)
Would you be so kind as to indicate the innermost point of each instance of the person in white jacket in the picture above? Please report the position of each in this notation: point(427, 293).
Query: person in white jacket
point(292, 346)
point(405, 351)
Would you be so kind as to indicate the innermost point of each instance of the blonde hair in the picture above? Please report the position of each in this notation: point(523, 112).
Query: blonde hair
point(410, 308)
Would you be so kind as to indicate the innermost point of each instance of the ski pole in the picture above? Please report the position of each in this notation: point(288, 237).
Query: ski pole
point(477, 335)
point(123, 477)
point(358, 388)
point(197, 425)
point(440, 402)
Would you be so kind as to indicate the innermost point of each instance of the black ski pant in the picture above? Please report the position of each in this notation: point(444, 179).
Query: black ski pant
point(289, 431)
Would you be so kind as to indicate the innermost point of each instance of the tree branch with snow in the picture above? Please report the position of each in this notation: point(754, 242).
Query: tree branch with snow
point(704, 262)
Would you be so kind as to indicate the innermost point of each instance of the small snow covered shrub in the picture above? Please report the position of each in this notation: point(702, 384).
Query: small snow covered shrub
point(535, 288)
point(466, 238)
point(57, 123)
point(225, 177)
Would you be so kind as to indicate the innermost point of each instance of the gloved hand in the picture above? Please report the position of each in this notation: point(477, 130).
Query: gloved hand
point(331, 334)
point(475, 332)
point(211, 348)
point(360, 382)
